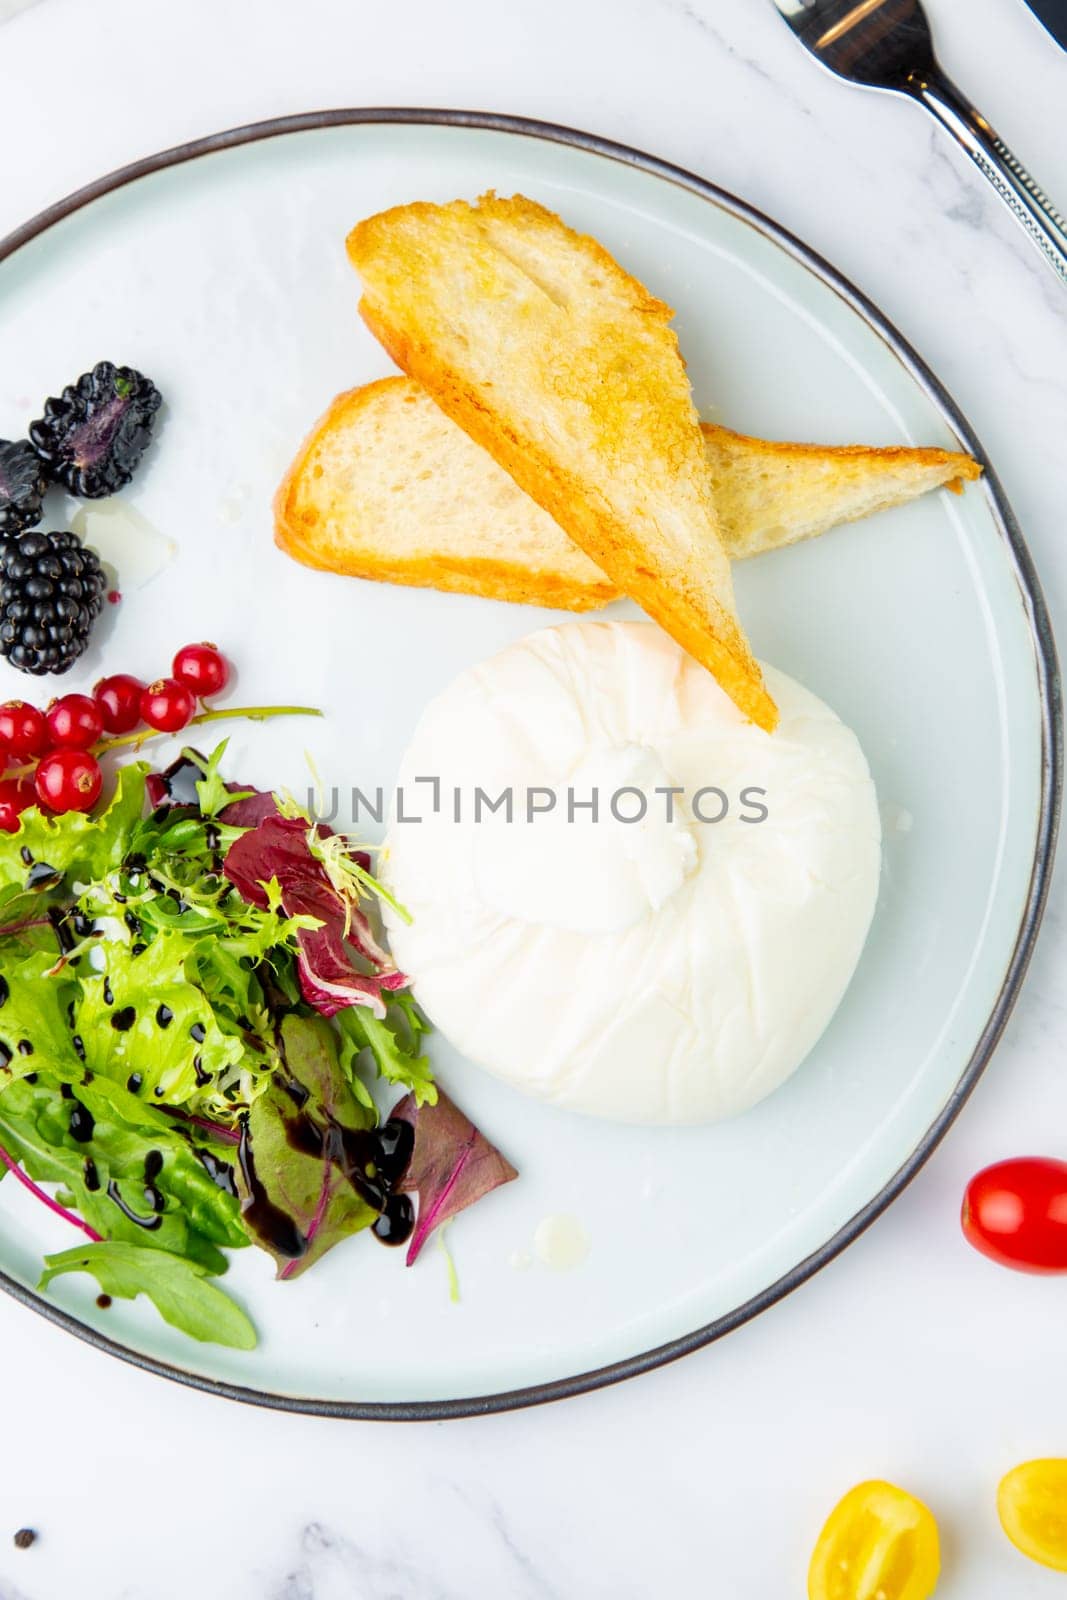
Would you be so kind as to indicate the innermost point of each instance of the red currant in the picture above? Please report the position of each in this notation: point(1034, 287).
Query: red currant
point(119, 702)
point(202, 668)
point(68, 780)
point(167, 705)
point(15, 796)
point(74, 722)
point(22, 729)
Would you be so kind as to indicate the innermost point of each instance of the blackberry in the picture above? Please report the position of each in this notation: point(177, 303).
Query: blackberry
point(51, 592)
point(93, 436)
point(22, 486)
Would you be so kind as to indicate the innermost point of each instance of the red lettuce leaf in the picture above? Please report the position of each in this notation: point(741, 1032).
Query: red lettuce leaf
point(452, 1165)
point(251, 811)
point(279, 848)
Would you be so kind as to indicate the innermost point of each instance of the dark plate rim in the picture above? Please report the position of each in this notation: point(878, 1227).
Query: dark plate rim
point(1051, 774)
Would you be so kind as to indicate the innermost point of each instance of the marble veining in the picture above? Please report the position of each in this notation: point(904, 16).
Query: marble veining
point(11, 8)
point(332, 1566)
point(723, 42)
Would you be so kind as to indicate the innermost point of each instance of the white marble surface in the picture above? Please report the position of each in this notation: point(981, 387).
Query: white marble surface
point(909, 1358)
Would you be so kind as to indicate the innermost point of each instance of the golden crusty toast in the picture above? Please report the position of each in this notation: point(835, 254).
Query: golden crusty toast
point(387, 487)
point(771, 495)
point(537, 343)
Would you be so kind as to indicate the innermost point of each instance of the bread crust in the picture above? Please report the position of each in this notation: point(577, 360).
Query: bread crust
point(301, 527)
point(296, 533)
point(693, 614)
point(967, 469)
point(492, 580)
point(604, 538)
point(299, 522)
point(697, 619)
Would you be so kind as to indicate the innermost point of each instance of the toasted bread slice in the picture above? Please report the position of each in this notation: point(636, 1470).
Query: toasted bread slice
point(565, 369)
point(770, 495)
point(387, 487)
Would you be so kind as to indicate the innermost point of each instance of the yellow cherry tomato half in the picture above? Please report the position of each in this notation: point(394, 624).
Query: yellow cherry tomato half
point(1032, 1503)
point(879, 1543)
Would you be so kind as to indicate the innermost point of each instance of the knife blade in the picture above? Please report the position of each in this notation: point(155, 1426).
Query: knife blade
point(1053, 13)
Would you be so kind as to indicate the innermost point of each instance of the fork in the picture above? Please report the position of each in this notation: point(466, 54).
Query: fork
point(886, 44)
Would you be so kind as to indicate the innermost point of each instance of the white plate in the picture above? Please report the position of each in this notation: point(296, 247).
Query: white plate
point(225, 278)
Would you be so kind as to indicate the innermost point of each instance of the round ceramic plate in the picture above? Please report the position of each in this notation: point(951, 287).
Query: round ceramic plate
point(220, 269)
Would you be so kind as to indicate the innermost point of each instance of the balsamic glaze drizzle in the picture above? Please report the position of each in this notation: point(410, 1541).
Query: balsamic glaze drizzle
point(220, 1172)
point(176, 785)
point(41, 877)
point(150, 1224)
point(61, 929)
point(273, 1225)
point(372, 1160)
point(82, 1122)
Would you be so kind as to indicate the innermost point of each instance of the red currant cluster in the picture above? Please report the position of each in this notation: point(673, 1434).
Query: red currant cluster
point(59, 743)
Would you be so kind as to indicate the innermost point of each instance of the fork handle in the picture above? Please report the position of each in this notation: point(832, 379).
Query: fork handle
point(1031, 206)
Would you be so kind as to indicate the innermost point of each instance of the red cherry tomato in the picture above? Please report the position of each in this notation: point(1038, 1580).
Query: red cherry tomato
point(22, 729)
point(15, 797)
point(74, 722)
point(167, 705)
point(119, 700)
point(1016, 1213)
point(68, 780)
point(202, 668)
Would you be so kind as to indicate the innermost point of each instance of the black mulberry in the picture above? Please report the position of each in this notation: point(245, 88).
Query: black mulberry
point(93, 436)
point(51, 592)
point(22, 486)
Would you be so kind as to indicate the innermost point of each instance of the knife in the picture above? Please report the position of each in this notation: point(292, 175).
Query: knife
point(1053, 13)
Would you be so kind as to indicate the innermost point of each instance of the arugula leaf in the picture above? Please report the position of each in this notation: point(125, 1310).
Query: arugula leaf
point(393, 1045)
point(179, 1289)
point(300, 1142)
point(98, 1141)
point(212, 792)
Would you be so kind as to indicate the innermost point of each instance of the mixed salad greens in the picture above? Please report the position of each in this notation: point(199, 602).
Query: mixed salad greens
point(193, 1005)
